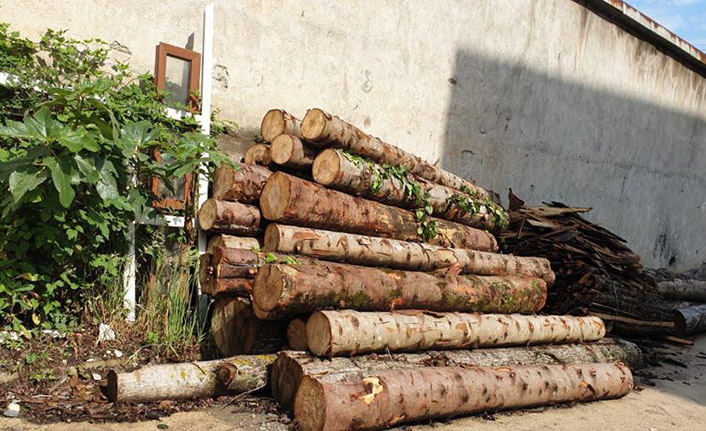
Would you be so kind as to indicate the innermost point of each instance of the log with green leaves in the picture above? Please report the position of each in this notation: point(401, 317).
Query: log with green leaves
point(394, 185)
point(305, 288)
point(292, 200)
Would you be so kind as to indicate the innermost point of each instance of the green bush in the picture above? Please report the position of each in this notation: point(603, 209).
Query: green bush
point(76, 131)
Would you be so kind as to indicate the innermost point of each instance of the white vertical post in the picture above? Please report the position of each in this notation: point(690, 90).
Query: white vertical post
point(129, 276)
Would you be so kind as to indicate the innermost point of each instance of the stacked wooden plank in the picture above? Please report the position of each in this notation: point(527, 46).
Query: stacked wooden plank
point(384, 253)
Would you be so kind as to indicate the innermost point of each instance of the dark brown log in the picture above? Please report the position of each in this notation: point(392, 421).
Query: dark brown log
point(290, 367)
point(326, 129)
point(229, 241)
point(386, 252)
point(337, 170)
point(690, 320)
point(683, 289)
point(242, 185)
point(289, 199)
point(385, 399)
point(229, 217)
point(348, 332)
point(258, 154)
point(290, 151)
point(240, 287)
point(205, 270)
point(296, 335)
point(305, 288)
point(279, 122)
point(187, 380)
point(236, 330)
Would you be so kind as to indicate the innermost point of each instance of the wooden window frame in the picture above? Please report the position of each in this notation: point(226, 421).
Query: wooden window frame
point(165, 50)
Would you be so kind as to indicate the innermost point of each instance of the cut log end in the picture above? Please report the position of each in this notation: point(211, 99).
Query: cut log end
point(313, 125)
point(296, 335)
point(270, 282)
point(111, 391)
point(326, 167)
point(272, 236)
point(275, 196)
point(282, 149)
point(273, 124)
point(310, 405)
point(318, 334)
point(208, 214)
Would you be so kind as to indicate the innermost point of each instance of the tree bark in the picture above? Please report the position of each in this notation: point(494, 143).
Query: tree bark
point(290, 367)
point(385, 252)
point(187, 380)
point(690, 320)
point(241, 287)
point(236, 330)
point(348, 332)
point(229, 217)
point(333, 169)
point(242, 185)
point(296, 335)
point(239, 263)
point(305, 288)
point(279, 122)
point(229, 241)
point(385, 399)
point(683, 289)
point(258, 154)
point(289, 151)
point(327, 129)
point(288, 199)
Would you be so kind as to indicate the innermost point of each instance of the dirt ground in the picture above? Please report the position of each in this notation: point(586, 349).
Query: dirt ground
point(674, 399)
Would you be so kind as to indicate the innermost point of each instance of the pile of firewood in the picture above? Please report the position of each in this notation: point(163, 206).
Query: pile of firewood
point(348, 246)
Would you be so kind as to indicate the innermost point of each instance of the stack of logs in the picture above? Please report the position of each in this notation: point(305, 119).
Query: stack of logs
point(384, 253)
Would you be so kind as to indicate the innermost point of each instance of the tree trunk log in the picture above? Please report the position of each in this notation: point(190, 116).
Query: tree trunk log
point(187, 380)
point(319, 126)
point(411, 256)
point(229, 217)
point(333, 169)
point(243, 185)
point(236, 330)
point(238, 263)
point(229, 241)
point(690, 320)
point(289, 151)
point(288, 199)
point(296, 335)
point(683, 289)
point(205, 270)
point(348, 332)
point(279, 122)
point(240, 287)
point(290, 367)
point(258, 154)
point(385, 399)
point(305, 288)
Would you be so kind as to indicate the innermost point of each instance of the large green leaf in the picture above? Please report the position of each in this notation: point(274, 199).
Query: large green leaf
point(42, 123)
point(90, 173)
point(76, 140)
point(107, 186)
point(61, 174)
point(26, 180)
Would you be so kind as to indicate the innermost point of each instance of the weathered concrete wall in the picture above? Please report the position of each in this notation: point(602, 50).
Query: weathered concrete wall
point(539, 95)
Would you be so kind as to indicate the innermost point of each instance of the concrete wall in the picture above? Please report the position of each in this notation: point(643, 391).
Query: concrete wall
point(539, 95)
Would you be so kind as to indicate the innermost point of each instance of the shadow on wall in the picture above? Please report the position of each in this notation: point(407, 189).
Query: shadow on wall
point(641, 166)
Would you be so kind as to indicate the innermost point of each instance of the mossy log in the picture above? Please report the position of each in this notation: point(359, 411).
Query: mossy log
point(412, 256)
point(290, 366)
point(243, 184)
point(236, 330)
point(336, 170)
point(187, 380)
point(229, 217)
point(327, 129)
point(258, 154)
point(279, 122)
point(291, 200)
point(290, 151)
point(305, 288)
point(349, 332)
point(385, 399)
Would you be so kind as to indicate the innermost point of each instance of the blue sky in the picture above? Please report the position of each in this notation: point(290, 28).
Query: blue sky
point(687, 18)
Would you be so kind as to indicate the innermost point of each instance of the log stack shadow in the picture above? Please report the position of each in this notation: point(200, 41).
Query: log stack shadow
point(387, 270)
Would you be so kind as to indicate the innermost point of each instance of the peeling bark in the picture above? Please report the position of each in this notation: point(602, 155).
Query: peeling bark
point(242, 185)
point(385, 399)
point(229, 217)
point(291, 200)
point(305, 288)
point(348, 332)
point(385, 252)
